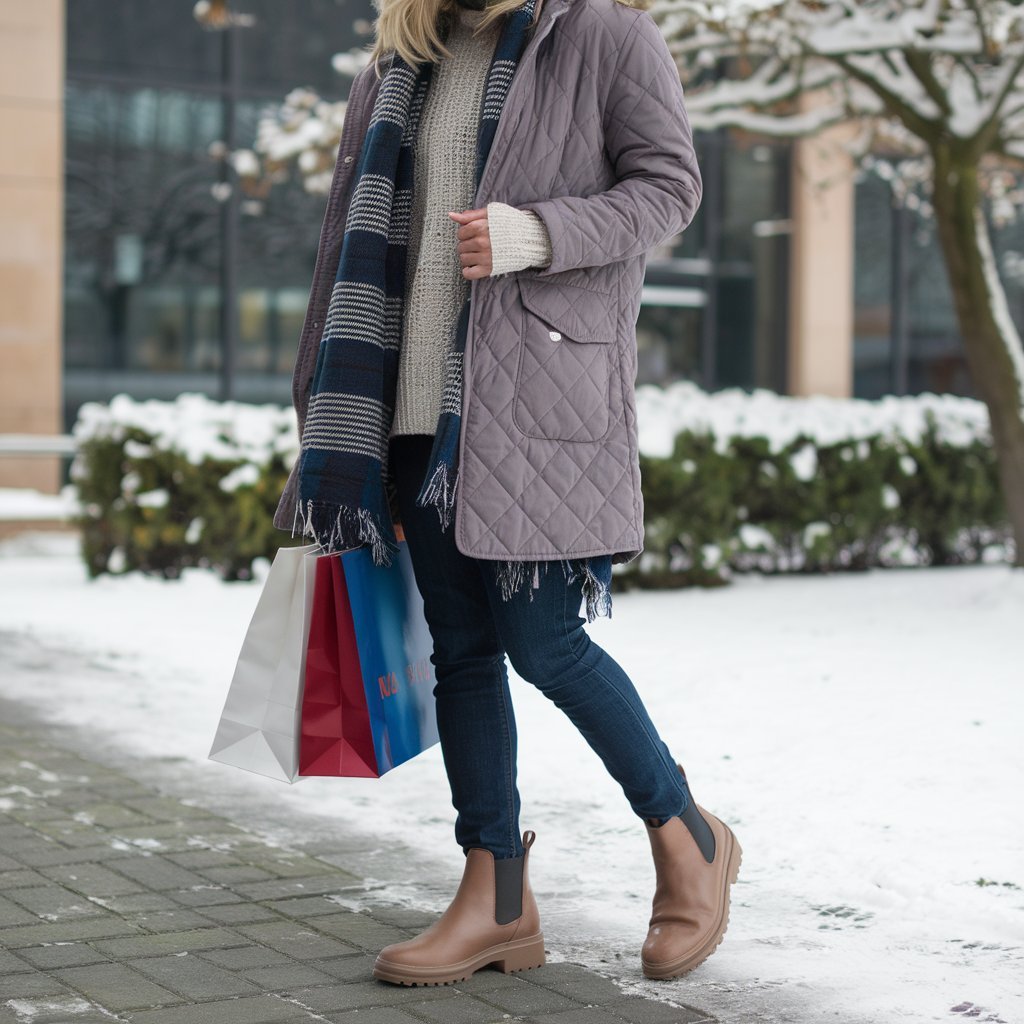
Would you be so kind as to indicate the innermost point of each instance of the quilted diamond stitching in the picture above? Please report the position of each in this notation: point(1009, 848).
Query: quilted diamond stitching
point(562, 390)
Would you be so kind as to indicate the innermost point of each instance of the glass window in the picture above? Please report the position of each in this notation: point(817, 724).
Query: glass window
point(872, 287)
point(898, 261)
point(144, 101)
point(143, 40)
point(935, 356)
point(715, 310)
point(140, 227)
point(291, 44)
point(288, 44)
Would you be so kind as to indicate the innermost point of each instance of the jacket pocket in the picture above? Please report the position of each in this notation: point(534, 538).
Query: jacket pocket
point(564, 375)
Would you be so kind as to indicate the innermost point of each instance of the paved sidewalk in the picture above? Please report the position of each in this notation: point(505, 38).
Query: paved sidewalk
point(118, 902)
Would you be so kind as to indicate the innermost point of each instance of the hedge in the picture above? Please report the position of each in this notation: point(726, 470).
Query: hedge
point(732, 481)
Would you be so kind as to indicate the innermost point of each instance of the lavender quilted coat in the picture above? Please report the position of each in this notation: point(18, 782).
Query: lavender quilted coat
point(595, 139)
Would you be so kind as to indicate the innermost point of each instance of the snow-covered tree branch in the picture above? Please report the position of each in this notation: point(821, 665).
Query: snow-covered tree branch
point(301, 135)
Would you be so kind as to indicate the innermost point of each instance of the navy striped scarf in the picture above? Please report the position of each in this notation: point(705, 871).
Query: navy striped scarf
point(343, 489)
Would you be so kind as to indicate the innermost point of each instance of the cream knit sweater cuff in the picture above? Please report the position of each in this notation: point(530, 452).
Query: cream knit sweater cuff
point(519, 239)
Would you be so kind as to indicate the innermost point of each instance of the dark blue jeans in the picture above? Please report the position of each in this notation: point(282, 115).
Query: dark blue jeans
point(473, 629)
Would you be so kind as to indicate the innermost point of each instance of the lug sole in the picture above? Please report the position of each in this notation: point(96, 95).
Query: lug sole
point(508, 957)
point(687, 962)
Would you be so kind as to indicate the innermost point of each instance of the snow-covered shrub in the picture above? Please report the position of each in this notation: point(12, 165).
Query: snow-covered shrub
point(737, 481)
point(733, 482)
point(166, 485)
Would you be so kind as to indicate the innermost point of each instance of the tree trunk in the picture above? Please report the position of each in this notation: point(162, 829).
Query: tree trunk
point(991, 342)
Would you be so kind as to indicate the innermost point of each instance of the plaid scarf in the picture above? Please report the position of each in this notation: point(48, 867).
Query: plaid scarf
point(343, 482)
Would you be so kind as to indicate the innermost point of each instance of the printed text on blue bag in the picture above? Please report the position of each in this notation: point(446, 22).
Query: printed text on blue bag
point(420, 671)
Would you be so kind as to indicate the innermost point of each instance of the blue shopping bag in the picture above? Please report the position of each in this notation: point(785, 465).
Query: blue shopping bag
point(368, 701)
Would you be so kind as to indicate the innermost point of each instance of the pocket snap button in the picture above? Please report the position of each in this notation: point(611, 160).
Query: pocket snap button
point(554, 336)
point(348, 159)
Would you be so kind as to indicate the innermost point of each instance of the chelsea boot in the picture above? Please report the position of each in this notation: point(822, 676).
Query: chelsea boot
point(493, 919)
point(696, 860)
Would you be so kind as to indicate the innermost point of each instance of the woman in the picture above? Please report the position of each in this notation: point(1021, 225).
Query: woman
point(466, 369)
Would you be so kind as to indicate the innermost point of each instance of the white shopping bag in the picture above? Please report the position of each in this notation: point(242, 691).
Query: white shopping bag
point(259, 727)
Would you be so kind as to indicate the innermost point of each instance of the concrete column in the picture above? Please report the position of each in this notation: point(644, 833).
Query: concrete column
point(821, 265)
point(31, 230)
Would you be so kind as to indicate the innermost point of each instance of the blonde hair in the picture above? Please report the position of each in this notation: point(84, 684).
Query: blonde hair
point(415, 28)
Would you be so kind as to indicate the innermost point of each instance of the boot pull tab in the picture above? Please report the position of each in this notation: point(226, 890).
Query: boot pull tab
point(528, 837)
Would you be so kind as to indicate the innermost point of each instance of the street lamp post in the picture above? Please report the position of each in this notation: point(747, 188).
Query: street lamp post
point(217, 15)
point(229, 212)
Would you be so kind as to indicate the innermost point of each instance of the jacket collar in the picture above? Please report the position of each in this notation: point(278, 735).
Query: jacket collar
point(550, 12)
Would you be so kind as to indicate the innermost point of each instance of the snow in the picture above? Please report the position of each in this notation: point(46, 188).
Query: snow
point(351, 62)
point(305, 129)
point(194, 425)
point(812, 531)
point(732, 412)
point(155, 499)
point(24, 503)
point(245, 475)
point(890, 496)
point(805, 463)
point(199, 427)
point(27, 1010)
point(860, 733)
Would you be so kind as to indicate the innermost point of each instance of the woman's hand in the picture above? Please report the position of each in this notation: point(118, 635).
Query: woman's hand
point(500, 239)
point(474, 242)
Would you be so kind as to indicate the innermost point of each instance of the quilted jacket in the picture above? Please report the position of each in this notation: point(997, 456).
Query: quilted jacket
point(595, 139)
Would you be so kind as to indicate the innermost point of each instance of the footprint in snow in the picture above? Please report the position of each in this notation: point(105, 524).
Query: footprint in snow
point(978, 1013)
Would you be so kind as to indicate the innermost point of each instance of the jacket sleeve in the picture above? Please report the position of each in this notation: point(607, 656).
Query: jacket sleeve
point(649, 142)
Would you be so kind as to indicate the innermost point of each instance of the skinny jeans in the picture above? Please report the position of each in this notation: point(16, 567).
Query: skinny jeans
point(473, 630)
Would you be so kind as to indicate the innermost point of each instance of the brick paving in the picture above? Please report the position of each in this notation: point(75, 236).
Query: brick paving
point(118, 902)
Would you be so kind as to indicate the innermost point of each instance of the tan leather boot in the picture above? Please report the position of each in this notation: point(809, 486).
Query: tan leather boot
point(493, 919)
point(696, 860)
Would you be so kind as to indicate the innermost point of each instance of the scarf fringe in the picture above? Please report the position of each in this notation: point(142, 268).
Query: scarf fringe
point(440, 490)
point(598, 595)
point(340, 529)
point(512, 575)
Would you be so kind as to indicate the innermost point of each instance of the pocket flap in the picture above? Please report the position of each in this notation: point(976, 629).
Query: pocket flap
point(581, 314)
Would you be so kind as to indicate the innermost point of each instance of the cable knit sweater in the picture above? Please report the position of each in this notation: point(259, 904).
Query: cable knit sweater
point(444, 180)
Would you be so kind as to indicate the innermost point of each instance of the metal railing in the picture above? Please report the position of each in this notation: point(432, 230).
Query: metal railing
point(37, 444)
point(31, 445)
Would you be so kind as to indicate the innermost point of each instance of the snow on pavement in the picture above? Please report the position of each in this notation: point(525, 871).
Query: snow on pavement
point(860, 733)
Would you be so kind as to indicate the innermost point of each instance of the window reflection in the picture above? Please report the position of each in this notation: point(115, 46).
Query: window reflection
point(714, 311)
point(906, 333)
point(143, 104)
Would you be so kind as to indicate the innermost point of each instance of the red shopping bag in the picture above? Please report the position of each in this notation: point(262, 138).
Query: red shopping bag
point(335, 737)
point(368, 702)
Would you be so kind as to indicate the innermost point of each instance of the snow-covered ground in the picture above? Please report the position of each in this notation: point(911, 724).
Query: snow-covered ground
point(861, 734)
point(23, 503)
